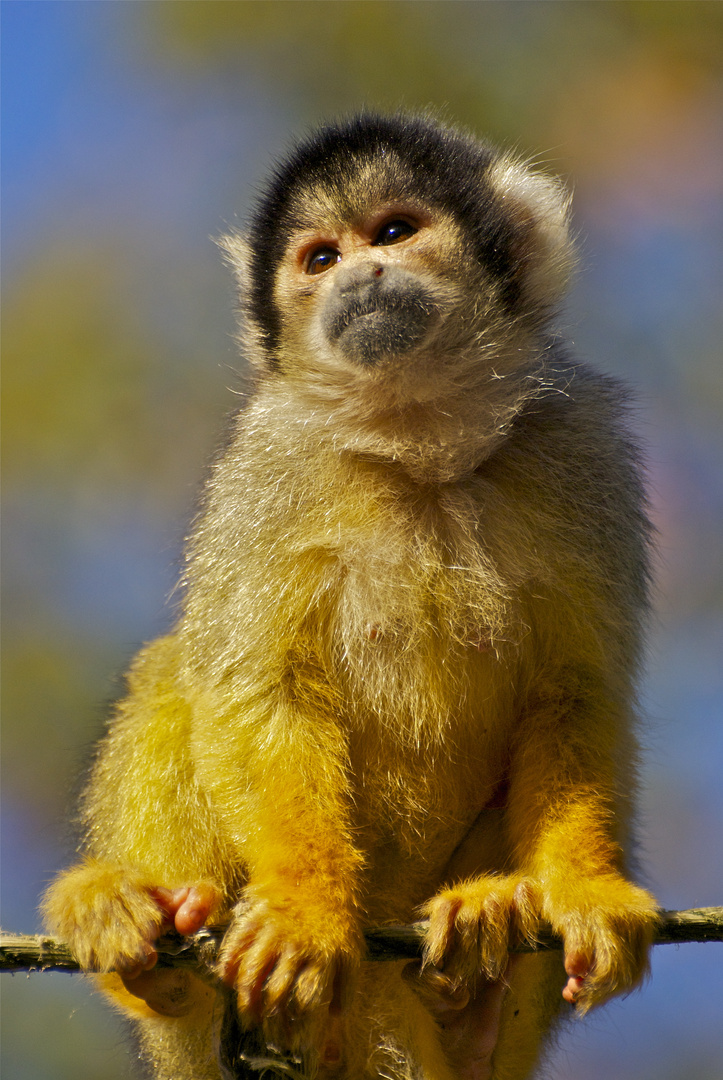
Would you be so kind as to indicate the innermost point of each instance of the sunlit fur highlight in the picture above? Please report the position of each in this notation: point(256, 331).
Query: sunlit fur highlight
point(403, 677)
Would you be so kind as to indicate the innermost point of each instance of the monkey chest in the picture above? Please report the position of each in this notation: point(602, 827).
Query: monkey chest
point(425, 631)
point(433, 594)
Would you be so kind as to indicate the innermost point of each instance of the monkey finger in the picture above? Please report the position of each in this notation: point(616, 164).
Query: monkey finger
point(253, 974)
point(236, 944)
point(131, 968)
point(195, 910)
point(578, 964)
point(187, 908)
point(572, 989)
point(280, 983)
point(169, 901)
point(244, 963)
point(442, 914)
point(525, 911)
point(314, 986)
point(332, 1048)
point(342, 988)
point(483, 939)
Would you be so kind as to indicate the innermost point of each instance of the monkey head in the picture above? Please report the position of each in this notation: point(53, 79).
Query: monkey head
point(394, 263)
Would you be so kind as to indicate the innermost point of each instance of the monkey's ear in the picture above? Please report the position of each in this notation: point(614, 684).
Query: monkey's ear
point(540, 209)
point(237, 255)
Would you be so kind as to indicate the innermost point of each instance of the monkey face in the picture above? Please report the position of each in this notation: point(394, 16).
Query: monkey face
point(393, 262)
point(373, 289)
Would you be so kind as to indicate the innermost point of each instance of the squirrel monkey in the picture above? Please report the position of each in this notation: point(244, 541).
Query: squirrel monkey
point(402, 682)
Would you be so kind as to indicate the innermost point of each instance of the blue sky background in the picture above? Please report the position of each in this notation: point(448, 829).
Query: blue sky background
point(133, 134)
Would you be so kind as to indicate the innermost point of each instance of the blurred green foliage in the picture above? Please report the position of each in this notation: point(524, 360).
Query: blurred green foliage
point(93, 395)
point(74, 398)
point(501, 67)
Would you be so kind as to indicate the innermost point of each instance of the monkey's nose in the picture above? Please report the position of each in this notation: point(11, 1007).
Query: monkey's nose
point(357, 278)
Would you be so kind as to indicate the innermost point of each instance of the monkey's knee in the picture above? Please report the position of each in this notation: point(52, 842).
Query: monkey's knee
point(161, 992)
point(169, 991)
point(468, 1019)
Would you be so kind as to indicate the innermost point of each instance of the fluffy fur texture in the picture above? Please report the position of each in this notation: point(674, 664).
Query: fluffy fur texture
point(403, 677)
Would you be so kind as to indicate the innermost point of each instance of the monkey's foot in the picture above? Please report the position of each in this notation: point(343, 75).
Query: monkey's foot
point(468, 1023)
point(172, 992)
point(111, 916)
point(473, 924)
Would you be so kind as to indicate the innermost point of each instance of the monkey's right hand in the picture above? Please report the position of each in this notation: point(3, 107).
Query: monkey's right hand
point(287, 955)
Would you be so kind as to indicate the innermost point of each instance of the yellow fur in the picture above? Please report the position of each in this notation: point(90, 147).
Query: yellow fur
point(402, 680)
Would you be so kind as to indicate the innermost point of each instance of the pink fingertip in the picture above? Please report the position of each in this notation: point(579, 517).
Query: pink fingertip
point(577, 966)
point(572, 989)
point(193, 912)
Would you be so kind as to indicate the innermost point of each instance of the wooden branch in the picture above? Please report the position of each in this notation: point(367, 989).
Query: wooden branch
point(21, 952)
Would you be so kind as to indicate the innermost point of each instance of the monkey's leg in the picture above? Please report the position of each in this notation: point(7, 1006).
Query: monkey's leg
point(495, 1029)
point(530, 1010)
point(182, 1049)
point(149, 828)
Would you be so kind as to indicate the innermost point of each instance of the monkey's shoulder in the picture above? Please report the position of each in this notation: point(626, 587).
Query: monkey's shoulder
point(570, 458)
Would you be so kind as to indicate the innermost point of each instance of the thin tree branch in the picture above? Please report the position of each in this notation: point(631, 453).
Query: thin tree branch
point(27, 952)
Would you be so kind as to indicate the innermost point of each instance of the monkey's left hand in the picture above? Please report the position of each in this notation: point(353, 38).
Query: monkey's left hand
point(287, 957)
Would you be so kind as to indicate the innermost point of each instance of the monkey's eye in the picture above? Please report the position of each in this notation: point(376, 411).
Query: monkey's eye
point(392, 232)
point(321, 259)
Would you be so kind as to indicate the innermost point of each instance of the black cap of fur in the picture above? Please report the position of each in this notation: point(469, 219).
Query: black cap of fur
point(445, 167)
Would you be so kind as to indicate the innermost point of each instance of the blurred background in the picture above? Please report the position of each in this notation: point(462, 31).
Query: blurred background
point(133, 133)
